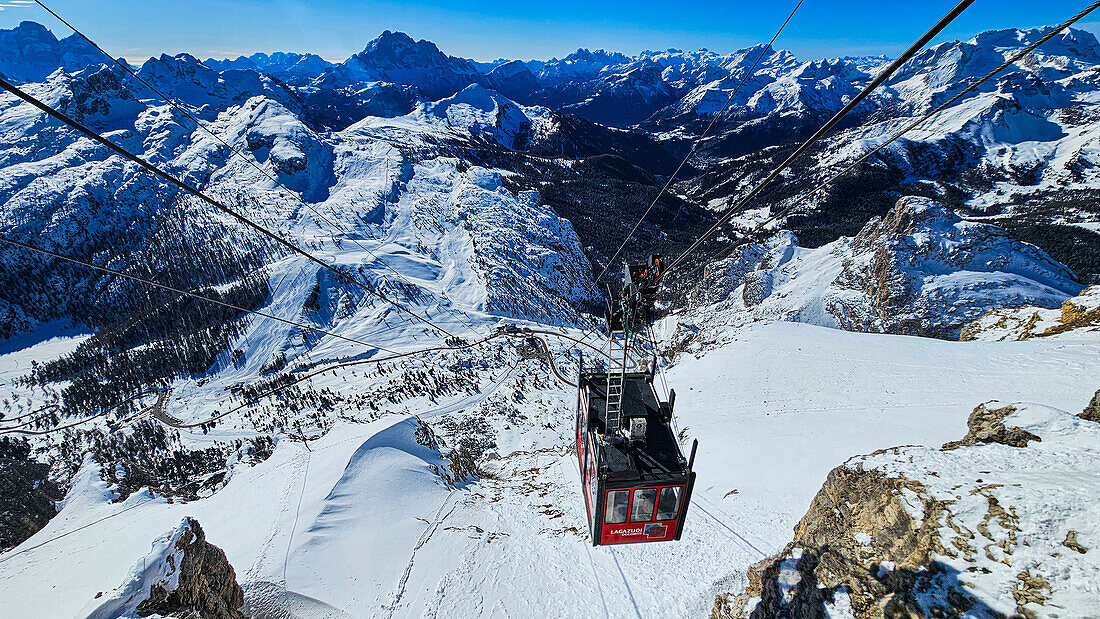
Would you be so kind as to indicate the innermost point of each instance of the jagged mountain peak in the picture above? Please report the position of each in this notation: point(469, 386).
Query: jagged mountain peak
point(288, 66)
point(396, 58)
point(585, 55)
point(30, 52)
point(399, 48)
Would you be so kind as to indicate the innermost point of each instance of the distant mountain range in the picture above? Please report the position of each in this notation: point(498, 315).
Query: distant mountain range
point(1021, 152)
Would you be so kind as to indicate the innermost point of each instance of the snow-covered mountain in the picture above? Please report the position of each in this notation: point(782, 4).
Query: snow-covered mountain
point(342, 478)
point(292, 68)
point(920, 270)
point(396, 58)
point(1018, 150)
point(29, 53)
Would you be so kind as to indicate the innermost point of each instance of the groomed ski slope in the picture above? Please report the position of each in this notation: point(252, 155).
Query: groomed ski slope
point(362, 527)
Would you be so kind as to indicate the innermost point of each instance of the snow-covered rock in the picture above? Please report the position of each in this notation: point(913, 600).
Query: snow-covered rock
point(998, 524)
point(183, 573)
point(475, 112)
point(922, 270)
point(184, 77)
point(1078, 317)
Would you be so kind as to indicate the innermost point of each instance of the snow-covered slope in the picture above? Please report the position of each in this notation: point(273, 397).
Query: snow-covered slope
point(342, 480)
point(474, 112)
point(365, 527)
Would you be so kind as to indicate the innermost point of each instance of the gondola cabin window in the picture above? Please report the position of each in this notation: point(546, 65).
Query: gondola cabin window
point(618, 502)
point(669, 504)
point(644, 502)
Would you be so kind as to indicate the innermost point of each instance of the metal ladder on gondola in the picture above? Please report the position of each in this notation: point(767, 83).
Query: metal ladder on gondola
point(616, 377)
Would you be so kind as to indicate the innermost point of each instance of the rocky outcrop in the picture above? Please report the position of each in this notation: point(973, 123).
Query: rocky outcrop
point(858, 545)
point(966, 530)
point(27, 496)
point(1092, 411)
point(1078, 317)
point(183, 576)
point(921, 270)
point(986, 425)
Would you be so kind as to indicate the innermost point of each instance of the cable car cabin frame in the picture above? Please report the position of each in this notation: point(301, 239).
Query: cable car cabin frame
point(637, 486)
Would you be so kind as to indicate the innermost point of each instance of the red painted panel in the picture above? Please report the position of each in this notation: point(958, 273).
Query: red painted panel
point(630, 532)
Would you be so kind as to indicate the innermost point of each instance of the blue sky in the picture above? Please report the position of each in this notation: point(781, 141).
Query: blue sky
point(488, 29)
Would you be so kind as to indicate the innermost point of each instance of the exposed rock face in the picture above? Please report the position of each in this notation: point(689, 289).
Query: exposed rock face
point(182, 576)
point(922, 270)
point(859, 542)
point(758, 285)
point(27, 496)
point(100, 99)
point(1092, 411)
point(207, 585)
point(986, 425)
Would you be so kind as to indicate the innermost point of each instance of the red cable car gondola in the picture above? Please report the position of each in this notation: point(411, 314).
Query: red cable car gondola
point(636, 482)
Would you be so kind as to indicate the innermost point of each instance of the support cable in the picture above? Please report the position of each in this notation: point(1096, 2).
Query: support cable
point(988, 76)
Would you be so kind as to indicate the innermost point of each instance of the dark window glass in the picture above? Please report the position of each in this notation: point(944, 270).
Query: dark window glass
point(644, 501)
point(669, 503)
point(618, 502)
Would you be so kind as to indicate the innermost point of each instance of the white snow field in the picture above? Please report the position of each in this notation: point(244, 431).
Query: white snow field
point(357, 523)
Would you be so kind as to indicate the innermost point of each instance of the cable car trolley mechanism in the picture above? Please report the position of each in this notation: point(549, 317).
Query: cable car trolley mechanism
point(636, 482)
